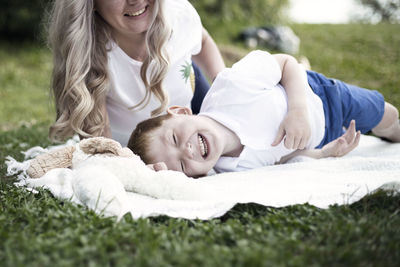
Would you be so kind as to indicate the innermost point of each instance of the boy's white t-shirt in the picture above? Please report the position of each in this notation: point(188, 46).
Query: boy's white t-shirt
point(127, 88)
point(249, 100)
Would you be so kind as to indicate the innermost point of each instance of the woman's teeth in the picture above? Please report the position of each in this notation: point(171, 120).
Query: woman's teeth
point(137, 13)
point(203, 146)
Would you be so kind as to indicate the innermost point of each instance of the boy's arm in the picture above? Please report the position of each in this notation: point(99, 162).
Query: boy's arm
point(295, 126)
point(336, 148)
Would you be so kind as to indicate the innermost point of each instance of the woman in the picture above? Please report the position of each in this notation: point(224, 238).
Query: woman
point(118, 62)
point(113, 58)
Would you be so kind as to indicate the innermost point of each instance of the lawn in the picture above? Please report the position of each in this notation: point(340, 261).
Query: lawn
point(38, 230)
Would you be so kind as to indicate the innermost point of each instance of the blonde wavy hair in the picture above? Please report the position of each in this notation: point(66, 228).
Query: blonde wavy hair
point(79, 39)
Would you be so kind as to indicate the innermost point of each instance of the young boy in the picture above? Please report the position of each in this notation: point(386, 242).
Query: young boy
point(242, 112)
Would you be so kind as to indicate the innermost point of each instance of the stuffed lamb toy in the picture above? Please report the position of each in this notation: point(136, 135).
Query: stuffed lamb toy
point(101, 160)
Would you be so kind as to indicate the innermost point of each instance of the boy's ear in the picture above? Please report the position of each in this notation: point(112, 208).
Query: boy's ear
point(179, 110)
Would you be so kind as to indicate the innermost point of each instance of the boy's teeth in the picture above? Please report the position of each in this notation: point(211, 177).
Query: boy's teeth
point(137, 13)
point(203, 146)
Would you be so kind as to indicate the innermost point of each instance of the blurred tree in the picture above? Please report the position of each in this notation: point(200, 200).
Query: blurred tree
point(383, 10)
point(21, 19)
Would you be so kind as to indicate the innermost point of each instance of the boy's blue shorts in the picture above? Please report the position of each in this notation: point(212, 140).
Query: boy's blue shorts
point(344, 102)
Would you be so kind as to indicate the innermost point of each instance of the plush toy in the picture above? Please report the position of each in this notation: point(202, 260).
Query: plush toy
point(101, 167)
point(99, 173)
point(63, 157)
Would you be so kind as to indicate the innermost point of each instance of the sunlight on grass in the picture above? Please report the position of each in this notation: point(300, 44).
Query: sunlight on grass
point(360, 54)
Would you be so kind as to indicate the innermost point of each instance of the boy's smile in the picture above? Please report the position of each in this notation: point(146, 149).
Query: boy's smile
point(188, 143)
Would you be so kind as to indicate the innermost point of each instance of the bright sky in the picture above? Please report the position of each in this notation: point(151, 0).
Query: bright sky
point(322, 11)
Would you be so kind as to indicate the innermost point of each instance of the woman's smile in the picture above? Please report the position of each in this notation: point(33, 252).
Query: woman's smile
point(137, 13)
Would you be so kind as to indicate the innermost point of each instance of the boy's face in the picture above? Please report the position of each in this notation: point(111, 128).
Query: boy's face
point(186, 143)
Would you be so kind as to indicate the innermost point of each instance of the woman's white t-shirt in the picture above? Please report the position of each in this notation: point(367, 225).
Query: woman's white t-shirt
point(127, 88)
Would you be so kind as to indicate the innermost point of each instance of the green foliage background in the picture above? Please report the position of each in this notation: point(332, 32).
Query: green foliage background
point(229, 17)
point(20, 19)
point(242, 11)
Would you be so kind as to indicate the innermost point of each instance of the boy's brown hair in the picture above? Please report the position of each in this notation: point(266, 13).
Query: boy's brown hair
point(140, 138)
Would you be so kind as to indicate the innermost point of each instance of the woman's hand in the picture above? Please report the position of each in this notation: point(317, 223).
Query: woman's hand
point(295, 128)
point(344, 144)
point(159, 166)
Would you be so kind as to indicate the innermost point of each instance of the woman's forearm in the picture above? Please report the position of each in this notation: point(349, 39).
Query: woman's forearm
point(209, 59)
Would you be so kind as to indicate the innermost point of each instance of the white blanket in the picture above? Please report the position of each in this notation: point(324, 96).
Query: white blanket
point(114, 186)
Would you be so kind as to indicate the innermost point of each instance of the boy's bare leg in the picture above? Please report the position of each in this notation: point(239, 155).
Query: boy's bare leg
point(389, 126)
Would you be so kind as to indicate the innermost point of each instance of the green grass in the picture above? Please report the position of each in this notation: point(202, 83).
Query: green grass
point(365, 55)
point(24, 85)
point(38, 230)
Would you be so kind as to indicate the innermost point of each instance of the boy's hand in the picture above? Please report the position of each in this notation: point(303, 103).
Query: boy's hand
point(344, 144)
point(159, 166)
point(296, 127)
point(336, 148)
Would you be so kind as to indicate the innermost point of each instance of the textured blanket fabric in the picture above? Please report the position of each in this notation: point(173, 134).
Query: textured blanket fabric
point(114, 186)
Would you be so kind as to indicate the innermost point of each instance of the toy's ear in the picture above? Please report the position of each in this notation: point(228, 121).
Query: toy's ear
point(103, 145)
point(179, 110)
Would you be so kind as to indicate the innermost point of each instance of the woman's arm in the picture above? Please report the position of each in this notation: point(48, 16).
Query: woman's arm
point(209, 59)
point(336, 148)
point(295, 126)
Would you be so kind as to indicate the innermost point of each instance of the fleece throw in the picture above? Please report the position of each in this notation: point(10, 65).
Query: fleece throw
point(116, 186)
